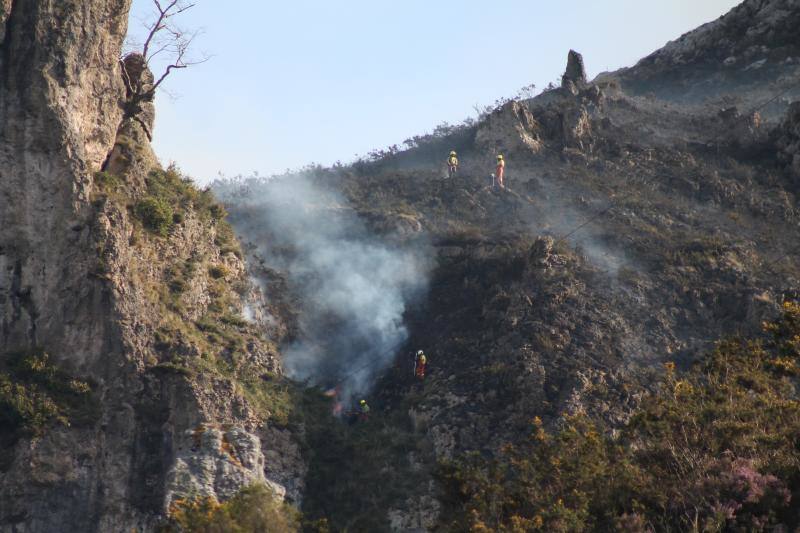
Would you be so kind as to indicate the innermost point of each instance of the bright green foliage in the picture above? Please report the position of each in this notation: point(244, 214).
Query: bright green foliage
point(155, 214)
point(106, 181)
point(253, 510)
point(170, 196)
point(34, 393)
point(714, 449)
point(177, 190)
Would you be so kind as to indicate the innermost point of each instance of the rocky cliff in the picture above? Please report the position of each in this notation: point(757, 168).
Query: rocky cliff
point(131, 382)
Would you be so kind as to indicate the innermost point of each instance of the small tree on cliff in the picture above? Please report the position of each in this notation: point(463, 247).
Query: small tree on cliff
point(165, 41)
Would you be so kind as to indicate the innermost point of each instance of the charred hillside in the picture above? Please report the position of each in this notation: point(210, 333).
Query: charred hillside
point(749, 53)
point(612, 339)
point(636, 232)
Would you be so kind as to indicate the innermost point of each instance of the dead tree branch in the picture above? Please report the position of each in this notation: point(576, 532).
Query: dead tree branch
point(164, 38)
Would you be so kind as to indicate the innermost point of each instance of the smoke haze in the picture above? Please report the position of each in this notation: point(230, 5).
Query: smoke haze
point(354, 287)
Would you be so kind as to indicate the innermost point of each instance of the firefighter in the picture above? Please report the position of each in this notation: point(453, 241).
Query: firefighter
point(420, 363)
point(499, 171)
point(452, 164)
point(364, 410)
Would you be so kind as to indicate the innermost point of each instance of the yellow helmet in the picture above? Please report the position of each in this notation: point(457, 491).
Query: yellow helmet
point(453, 152)
point(500, 156)
point(362, 402)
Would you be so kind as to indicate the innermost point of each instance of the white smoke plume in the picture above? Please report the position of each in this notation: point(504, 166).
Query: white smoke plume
point(354, 287)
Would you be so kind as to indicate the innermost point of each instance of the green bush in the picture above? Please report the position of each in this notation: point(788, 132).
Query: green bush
point(253, 510)
point(34, 394)
point(178, 190)
point(155, 214)
point(218, 271)
point(106, 181)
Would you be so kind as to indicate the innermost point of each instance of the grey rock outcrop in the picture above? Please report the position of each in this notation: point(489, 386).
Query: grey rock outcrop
point(508, 129)
point(574, 78)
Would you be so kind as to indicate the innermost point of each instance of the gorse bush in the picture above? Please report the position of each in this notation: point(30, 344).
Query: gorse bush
point(34, 394)
point(713, 449)
point(178, 191)
point(106, 181)
point(253, 510)
point(156, 215)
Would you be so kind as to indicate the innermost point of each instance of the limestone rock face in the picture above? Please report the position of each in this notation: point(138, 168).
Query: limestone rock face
point(80, 280)
point(60, 96)
point(510, 128)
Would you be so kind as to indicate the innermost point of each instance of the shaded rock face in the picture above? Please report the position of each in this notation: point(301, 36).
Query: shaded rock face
point(132, 154)
point(789, 142)
point(139, 91)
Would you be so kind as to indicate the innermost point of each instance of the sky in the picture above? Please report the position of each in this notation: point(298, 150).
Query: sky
point(309, 81)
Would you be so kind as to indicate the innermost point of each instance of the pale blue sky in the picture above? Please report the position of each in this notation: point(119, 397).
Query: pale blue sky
point(292, 83)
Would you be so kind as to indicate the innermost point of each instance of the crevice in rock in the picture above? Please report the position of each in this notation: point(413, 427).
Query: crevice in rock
point(6, 27)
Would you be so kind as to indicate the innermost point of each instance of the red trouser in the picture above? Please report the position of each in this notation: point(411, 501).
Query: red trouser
point(420, 371)
point(499, 174)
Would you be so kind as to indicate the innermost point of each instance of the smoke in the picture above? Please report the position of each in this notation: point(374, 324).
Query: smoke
point(585, 230)
point(589, 241)
point(353, 287)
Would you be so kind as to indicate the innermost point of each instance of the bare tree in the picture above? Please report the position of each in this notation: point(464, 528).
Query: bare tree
point(166, 41)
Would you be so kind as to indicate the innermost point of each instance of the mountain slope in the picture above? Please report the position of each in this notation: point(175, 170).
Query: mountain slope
point(570, 321)
point(637, 231)
point(751, 52)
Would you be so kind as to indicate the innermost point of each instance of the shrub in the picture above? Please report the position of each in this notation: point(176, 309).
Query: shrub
point(155, 214)
point(218, 271)
point(106, 181)
point(253, 509)
point(34, 394)
point(713, 448)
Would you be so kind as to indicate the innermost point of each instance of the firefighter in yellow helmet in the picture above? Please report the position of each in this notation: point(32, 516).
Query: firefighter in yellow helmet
point(452, 164)
point(420, 364)
point(364, 414)
point(499, 171)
